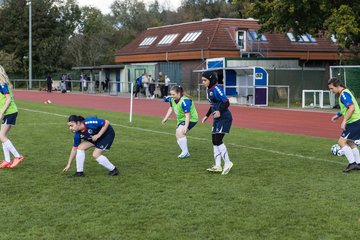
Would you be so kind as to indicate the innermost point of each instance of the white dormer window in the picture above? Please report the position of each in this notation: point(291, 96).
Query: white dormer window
point(147, 41)
point(241, 39)
point(190, 37)
point(168, 39)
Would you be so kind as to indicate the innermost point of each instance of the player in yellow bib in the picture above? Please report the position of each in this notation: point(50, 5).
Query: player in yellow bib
point(350, 125)
point(8, 114)
point(186, 117)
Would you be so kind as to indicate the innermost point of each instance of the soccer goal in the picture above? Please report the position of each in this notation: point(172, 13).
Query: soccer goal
point(317, 99)
point(350, 75)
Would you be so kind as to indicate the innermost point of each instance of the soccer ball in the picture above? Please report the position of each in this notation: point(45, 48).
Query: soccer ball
point(336, 150)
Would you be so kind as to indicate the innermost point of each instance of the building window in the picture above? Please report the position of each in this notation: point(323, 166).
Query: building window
point(168, 39)
point(241, 40)
point(253, 36)
point(147, 41)
point(190, 37)
point(305, 38)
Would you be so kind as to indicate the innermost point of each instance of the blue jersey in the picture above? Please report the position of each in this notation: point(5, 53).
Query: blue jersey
point(346, 99)
point(93, 126)
point(216, 97)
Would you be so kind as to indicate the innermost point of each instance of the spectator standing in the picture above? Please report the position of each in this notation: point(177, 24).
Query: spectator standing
point(166, 85)
point(151, 86)
point(138, 85)
point(81, 80)
point(145, 82)
point(161, 82)
point(49, 83)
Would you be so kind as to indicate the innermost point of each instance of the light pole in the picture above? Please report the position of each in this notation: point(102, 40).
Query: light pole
point(30, 46)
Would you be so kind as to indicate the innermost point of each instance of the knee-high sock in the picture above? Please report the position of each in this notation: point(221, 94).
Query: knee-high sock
point(224, 153)
point(348, 154)
point(183, 144)
point(6, 153)
point(356, 155)
point(80, 159)
point(11, 148)
point(217, 156)
point(104, 161)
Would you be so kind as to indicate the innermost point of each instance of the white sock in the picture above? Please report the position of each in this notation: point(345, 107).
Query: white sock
point(80, 159)
point(11, 148)
point(104, 161)
point(224, 153)
point(6, 153)
point(348, 154)
point(183, 144)
point(217, 156)
point(356, 155)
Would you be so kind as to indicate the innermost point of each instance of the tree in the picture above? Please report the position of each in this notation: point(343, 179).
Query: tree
point(338, 17)
point(52, 23)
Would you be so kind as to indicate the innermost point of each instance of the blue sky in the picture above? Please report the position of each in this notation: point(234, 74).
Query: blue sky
point(104, 5)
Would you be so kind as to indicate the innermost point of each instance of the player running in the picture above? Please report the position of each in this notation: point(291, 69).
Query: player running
point(8, 114)
point(186, 117)
point(350, 124)
point(219, 109)
point(90, 132)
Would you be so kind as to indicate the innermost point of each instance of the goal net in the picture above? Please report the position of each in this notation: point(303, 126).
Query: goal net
point(350, 75)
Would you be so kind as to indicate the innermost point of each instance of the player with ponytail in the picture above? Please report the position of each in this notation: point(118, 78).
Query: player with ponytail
point(186, 116)
point(8, 114)
point(90, 132)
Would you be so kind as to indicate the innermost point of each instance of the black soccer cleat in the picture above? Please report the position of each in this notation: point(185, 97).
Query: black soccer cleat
point(350, 167)
point(113, 172)
point(77, 174)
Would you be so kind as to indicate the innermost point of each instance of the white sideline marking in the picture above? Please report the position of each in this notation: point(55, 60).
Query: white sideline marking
point(201, 139)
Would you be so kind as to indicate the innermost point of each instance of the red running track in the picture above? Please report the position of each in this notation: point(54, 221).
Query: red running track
point(310, 123)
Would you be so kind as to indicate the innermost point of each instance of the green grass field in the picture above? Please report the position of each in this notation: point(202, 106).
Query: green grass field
point(282, 186)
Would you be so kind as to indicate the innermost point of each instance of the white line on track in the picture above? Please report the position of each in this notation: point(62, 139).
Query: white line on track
point(201, 139)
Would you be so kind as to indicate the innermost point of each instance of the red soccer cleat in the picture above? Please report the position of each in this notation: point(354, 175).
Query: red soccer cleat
point(17, 161)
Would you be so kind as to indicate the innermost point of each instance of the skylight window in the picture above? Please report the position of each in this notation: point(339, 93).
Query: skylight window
point(253, 36)
point(305, 38)
point(333, 38)
point(190, 37)
point(147, 41)
point(168, 39)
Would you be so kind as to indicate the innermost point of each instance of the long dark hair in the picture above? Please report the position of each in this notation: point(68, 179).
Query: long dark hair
point(179, 89)
point(336, 82)
point(75, 118)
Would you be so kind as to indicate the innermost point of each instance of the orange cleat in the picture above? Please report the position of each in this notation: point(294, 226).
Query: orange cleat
point(5, 164)
point(17, 161)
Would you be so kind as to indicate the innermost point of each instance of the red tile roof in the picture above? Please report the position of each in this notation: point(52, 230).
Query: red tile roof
point(220, 34)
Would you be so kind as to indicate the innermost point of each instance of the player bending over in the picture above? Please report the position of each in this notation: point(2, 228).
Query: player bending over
point(90, 132)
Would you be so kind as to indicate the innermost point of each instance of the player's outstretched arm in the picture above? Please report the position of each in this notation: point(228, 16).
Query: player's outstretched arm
point(168, 113)
point(71, 158)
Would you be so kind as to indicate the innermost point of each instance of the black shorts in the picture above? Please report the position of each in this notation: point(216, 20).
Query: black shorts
point(191, 125)
point(352, 131)
point(10, 119)
point(106, 140)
